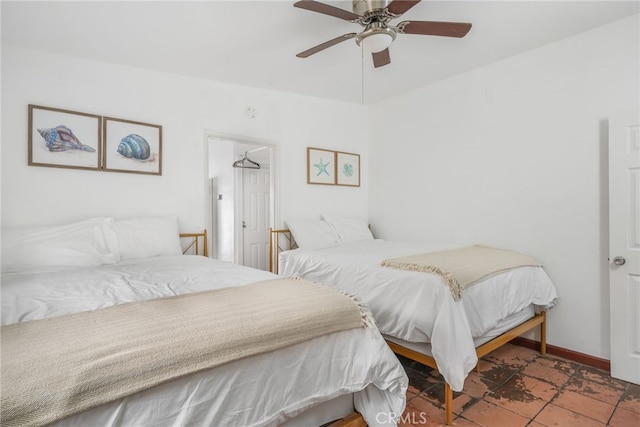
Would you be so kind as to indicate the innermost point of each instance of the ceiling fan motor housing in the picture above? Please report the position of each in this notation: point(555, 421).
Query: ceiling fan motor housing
point(361, 7)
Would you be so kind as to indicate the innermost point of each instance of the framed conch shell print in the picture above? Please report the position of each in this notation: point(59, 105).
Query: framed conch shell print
point(64, 139)
point(132, 146)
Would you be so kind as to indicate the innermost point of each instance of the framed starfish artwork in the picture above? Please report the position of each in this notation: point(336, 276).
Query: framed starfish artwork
point(321, 166)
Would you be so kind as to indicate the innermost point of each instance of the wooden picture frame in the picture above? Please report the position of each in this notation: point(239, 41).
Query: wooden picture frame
point(131, 146)
point(321, 166)
point(347, 169)
point(64, 139)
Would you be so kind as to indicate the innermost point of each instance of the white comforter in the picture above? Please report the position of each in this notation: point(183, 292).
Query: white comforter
point(417, 306)
point(262, 390)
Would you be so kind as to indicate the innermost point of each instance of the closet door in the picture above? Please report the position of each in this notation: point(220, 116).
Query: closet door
point(255, 222)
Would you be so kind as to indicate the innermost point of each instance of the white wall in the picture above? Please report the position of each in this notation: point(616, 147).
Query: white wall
point(514, 155)
point(186, 108)
point(221, 157)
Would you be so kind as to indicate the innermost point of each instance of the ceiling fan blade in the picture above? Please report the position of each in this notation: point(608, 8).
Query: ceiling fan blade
point(315, 6)
point(381, 58)
point(325, 45)
point(434, 28)
point(398, 7)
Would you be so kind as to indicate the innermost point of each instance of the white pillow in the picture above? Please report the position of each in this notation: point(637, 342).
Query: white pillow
point(87, 243)
point(349, 229)
point(312, 233)
point(148, 237)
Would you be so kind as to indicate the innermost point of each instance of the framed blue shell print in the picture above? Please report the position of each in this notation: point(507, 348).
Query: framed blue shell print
point(131, 146)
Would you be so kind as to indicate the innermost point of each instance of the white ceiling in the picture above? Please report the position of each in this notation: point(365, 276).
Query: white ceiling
point(254, 43)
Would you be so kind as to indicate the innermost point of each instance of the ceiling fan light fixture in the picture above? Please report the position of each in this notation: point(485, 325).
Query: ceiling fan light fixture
point(376, 42)
point(375, 39)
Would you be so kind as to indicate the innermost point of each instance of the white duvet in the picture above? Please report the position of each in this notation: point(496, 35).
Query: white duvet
point(262, 390)
point(418, 307)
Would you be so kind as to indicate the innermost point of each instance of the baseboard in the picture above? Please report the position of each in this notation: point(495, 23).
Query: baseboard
point(574, 356)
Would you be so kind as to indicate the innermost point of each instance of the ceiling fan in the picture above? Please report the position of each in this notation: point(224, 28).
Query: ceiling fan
point(378, 34)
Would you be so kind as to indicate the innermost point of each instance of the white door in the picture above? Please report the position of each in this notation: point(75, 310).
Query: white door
point(624, 245)
point(255, 221)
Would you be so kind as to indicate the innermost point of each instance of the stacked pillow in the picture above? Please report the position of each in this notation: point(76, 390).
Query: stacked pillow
point(312, 233)
point(148, 237)
point(89, 243)
point(348, 229)
point(329, 231)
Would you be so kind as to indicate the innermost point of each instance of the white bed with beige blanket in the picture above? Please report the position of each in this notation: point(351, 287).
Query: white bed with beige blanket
point(286, 373)
point(413, 306)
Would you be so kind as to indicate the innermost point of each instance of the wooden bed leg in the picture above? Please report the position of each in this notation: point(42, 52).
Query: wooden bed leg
point(543, 334)
point(353, 420)
point(478, 367)
point(448, 404)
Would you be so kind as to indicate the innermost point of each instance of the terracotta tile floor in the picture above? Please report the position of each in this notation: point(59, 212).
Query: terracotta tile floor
point(516, 386)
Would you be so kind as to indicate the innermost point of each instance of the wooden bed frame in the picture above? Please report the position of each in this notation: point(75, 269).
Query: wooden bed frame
point(194, 243)
point(354, 420)
point(281, 240)
point(481, 351)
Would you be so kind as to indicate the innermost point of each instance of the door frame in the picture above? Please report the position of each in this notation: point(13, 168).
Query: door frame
point(274, 202)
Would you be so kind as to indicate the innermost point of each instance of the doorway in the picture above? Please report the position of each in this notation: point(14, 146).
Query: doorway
point(242, 204)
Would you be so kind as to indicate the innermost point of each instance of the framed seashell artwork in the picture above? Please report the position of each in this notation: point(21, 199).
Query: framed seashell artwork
point(321, 166)
point(348, 169)
point(64, 139)
point(131, 146)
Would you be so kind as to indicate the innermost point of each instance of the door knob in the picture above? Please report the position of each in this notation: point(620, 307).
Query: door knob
point(619, 260)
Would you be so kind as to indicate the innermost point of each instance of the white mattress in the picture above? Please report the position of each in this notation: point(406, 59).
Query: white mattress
point(418, 307)
point(267, 389)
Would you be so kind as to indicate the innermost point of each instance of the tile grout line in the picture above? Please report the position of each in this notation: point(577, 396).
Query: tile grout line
point(575, 372)
point(561, 389)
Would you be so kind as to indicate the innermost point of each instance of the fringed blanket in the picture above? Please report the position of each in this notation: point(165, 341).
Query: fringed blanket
point(56, 367)
point(463, 267)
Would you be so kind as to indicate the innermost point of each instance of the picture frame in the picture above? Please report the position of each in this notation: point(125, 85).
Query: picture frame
point(64, 139)
point(130, 146)
point(321, 167)
point(347, 169)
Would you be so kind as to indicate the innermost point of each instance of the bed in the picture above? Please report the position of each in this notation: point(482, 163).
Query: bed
point(65, 275)
point(416, 311)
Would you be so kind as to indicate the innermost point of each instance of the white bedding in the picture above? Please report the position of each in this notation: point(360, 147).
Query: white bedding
point(417, 306)
point(267, 389)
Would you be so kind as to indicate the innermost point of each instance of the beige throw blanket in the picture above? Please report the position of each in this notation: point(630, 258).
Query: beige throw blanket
point(463, 267)
point(56, 367)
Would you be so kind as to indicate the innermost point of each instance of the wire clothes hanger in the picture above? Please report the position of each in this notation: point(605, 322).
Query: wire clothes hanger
point(246, 163)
